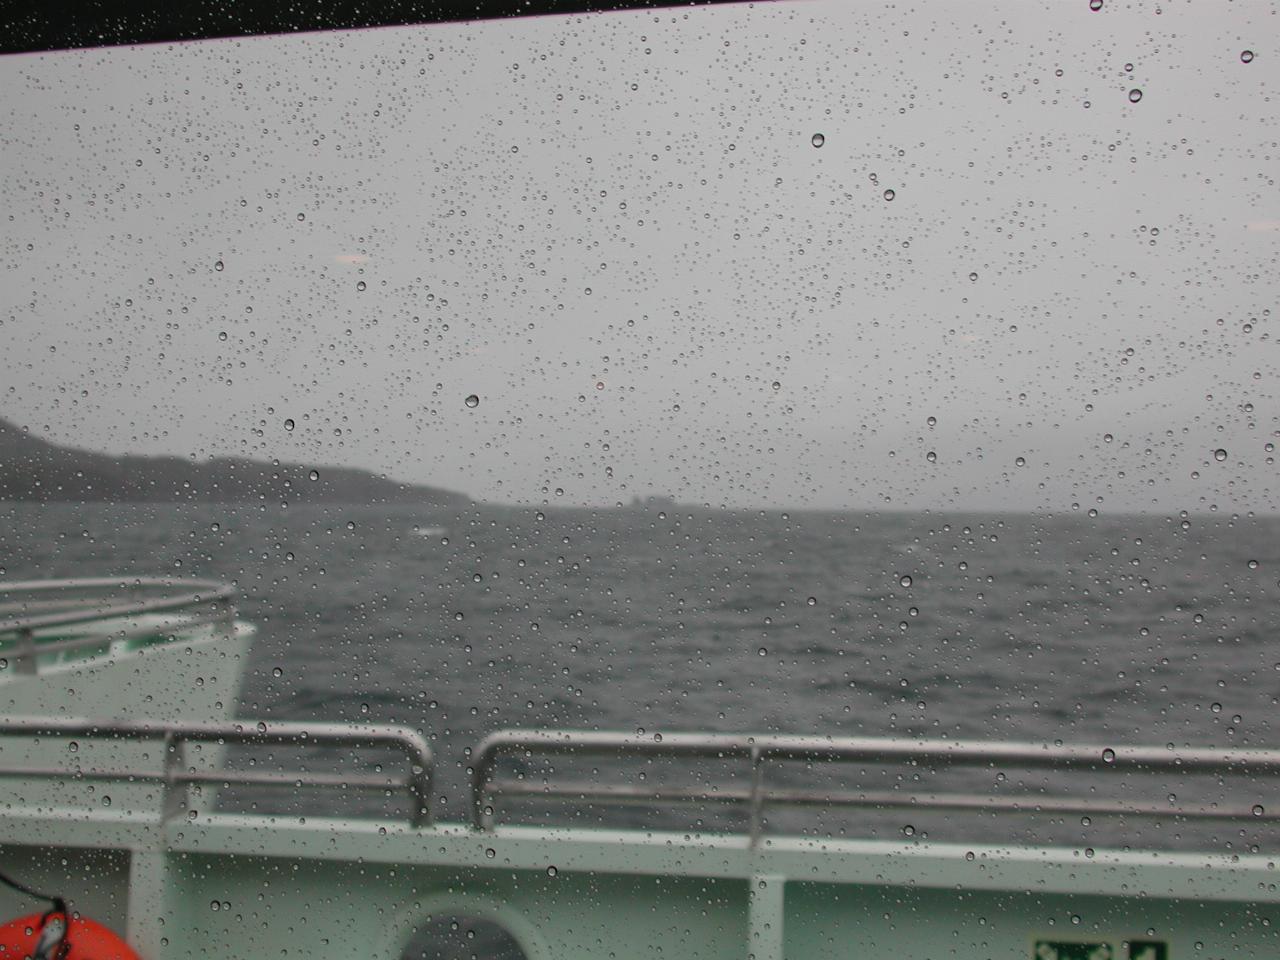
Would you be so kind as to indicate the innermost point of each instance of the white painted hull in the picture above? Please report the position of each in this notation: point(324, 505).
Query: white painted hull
point(194, 675)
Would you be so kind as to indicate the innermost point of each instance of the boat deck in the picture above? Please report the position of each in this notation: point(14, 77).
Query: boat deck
point(47, 624)
point(184, 881)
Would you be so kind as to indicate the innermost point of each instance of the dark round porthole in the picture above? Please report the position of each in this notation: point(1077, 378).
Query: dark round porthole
point(456, 937)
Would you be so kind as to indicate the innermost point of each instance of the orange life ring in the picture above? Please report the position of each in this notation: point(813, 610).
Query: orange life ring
point(85, 940)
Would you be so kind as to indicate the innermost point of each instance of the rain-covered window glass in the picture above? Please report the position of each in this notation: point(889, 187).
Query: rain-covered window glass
point(770, 478)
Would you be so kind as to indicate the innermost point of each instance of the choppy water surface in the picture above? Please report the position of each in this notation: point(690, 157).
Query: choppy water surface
point(1082, 629)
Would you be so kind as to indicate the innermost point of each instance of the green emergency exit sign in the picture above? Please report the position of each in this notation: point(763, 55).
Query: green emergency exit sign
point(1100, 950)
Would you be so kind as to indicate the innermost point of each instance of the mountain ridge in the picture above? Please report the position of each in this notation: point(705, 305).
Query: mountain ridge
point(35, 469)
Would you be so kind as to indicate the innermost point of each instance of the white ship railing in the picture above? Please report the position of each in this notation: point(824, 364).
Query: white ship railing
point(29, 606)
point(758, 752)
point(176, 775)
point(798, 896)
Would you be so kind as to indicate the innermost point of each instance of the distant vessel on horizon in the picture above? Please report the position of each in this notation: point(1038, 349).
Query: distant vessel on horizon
point(652, 502)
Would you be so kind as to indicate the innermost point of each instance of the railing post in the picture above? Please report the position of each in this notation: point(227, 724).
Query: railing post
point(225, 615)
point(756, 801)
point(176, 793)
point(24, 660)
point(482, 768)
point(482, 819)
point(420, 790)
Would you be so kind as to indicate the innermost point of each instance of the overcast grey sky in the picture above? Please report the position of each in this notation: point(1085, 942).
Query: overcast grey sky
point(616, 231)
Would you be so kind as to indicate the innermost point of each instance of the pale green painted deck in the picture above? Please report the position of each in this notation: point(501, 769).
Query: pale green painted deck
point(329, 888)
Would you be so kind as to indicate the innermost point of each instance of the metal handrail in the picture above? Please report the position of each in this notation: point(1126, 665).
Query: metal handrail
point(198, 592)
point(175, 735)
point(19, 632)
point(758, 750)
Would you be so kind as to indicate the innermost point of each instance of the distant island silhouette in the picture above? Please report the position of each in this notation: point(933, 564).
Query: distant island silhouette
point(32, 468)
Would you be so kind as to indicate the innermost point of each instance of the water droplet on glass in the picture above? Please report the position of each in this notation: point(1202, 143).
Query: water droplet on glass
point(818, 140)
point(360, 285)
point(1253, 564)
point(777, 385)
point(1135, 95)
point(313, 475)
point(889, 194)
point(812, 601)
point(1257, 810)
point(289, 425)
point(218, 266)
point(905, 580)
point(277, 672)
point(106, 800)
point(1021, 461)
point(909, 830)
point(472, 401)
point(1095, 5)
point(73, 746)
point(490, 853)
point(1219, 454)
point(552, 871)
point(973, 276)
point(931, 457)
point(301, 217)
point(1246, 56)
point(1108, 755)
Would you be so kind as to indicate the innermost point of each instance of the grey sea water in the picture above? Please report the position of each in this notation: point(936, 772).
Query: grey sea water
point(1104, 630)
